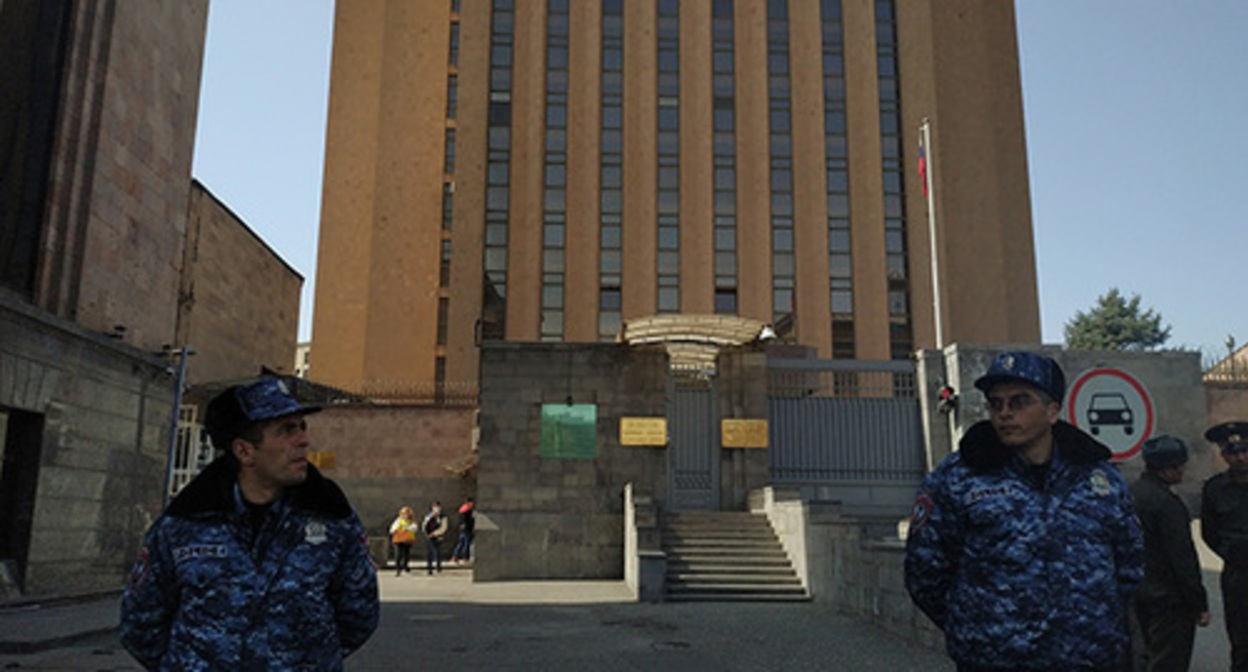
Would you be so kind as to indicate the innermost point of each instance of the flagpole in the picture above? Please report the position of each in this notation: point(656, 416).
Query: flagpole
point(925, 150)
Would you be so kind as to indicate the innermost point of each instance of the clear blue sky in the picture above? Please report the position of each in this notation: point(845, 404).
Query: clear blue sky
point(1135, 152)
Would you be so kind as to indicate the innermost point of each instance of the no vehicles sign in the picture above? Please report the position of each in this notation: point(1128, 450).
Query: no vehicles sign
point(1113, 406)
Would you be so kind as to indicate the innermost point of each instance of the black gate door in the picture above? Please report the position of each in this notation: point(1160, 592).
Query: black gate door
point(693, 454)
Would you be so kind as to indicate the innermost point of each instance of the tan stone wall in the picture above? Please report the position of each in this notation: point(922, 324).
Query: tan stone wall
point(242, 308)
point(376, 301)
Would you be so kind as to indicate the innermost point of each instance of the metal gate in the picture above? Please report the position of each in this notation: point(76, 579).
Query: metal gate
point(693, 452)
point(847, 430)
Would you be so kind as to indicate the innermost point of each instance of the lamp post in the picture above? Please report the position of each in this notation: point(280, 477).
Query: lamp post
point(183, 353)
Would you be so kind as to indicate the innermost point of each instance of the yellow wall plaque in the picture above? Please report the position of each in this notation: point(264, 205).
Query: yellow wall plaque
point(643, 431)
point(743, 433)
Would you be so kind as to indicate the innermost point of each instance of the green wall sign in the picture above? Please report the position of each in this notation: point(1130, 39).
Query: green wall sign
point(569, 431)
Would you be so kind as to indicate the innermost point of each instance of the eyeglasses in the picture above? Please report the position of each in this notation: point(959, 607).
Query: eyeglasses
point(1016, 402)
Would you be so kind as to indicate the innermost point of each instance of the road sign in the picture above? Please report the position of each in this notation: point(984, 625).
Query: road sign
point(1114, 407)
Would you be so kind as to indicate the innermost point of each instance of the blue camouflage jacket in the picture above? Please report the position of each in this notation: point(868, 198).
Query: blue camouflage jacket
point(1025, 577)
point(205, 595)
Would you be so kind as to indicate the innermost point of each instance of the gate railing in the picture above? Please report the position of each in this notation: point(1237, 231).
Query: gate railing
point(846, 429)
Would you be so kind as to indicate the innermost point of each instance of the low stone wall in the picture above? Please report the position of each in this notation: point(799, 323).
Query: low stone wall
point(851, 564)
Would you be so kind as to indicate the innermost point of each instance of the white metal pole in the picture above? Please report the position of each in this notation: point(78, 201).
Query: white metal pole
point(925, 140)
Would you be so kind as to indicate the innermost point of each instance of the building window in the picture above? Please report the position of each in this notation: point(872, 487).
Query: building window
point(901, 339)
point(724, 152)
point(498, 159)
point(611, 196)
point(783, 272)
point(836, 158)
point(554, 214)
point(443, 312)
point(444, 268)
point(668, 152)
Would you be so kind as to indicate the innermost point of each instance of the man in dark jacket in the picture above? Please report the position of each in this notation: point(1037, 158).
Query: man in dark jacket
point(1023, 546)
point(260, 563)
point(1171, 601)
point(1224, 527)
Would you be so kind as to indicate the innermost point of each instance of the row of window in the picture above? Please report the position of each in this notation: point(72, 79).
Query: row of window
point(668, 152)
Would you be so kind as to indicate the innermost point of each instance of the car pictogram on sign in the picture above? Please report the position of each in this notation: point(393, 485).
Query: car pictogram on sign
point(1109, 408)
point(1114, 406)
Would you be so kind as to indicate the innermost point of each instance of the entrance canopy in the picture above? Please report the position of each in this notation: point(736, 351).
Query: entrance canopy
point(693, 341)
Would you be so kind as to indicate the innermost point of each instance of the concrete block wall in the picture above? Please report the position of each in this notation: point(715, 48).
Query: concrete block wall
point(106, 409)
point(853, 565)
point(562, 518)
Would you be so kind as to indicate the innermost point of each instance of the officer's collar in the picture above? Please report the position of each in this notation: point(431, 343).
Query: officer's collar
point(213, 491)
point(982, 449)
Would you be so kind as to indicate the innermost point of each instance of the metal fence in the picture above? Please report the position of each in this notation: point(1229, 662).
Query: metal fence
point(849, 430)
point(192, 453)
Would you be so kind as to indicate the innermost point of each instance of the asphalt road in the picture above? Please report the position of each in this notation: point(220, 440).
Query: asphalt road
point(447, 622)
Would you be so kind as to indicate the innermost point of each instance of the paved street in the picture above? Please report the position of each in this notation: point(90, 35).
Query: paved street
point(590, 626)
point(448, 622)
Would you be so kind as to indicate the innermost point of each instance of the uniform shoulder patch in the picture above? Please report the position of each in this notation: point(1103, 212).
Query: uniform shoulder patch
point(921, 511)
point(138, 573)
point(1100, 482)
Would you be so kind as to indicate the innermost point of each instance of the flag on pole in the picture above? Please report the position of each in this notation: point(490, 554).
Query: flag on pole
point(923, 167)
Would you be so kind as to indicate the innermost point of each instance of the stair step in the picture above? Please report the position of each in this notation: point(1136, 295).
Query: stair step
point(706, 552)
point(733, 589)
point(695, 597)
point(701, 561)
point(769, 580)
point(727, 557)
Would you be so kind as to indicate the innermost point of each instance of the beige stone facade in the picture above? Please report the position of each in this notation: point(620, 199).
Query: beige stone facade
point(390, 310)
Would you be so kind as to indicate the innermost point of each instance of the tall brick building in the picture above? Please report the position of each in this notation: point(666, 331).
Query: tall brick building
point(548, 169)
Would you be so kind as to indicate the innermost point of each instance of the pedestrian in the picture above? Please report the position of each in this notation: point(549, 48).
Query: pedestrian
point(434, 526)
point(467, 524)
point(403, 535)
point(1171, 601)
point(1224, 527)
point(1023, 547)
point(259, 562)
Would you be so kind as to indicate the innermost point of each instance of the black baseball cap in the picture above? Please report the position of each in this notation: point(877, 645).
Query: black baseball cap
point(239, 407)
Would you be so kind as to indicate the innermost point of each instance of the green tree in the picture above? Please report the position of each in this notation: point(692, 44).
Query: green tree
point(1116, 323)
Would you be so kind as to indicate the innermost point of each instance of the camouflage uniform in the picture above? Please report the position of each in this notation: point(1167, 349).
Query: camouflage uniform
point(1025, 577)
point(205, 594)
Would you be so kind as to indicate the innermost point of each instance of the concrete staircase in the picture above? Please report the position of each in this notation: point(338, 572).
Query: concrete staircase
point(727, 557)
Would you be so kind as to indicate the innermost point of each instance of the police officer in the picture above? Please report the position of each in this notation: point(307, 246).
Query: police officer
point(1023, 545)
point(259, 562)
point(1171, 601)
point(1224, 527)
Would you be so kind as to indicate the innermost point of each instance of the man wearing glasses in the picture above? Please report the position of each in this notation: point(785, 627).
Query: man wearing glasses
point(259, 563)
point(1224, 527)
point(1023, 546)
